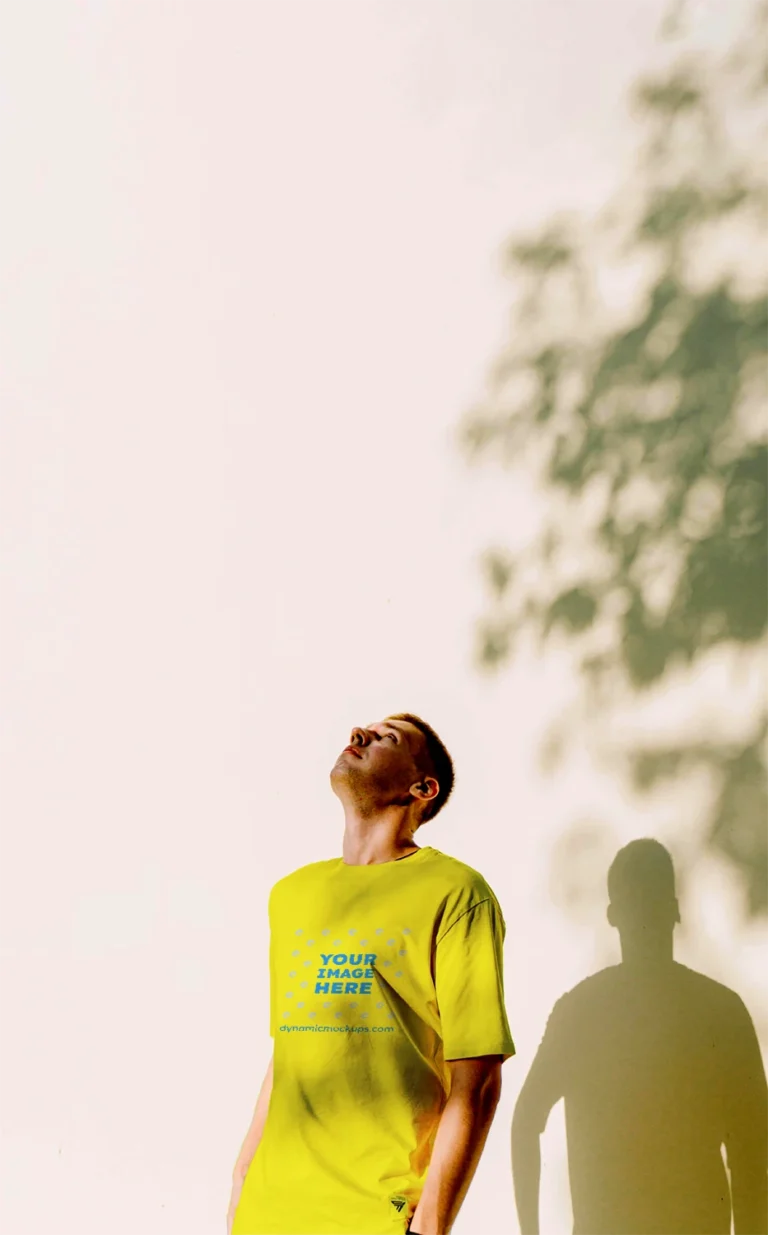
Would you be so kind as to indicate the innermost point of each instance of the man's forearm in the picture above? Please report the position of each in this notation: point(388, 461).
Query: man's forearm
point(254, 1134)
point(526, 1175)
point(459, 1143)
point(250, 1145)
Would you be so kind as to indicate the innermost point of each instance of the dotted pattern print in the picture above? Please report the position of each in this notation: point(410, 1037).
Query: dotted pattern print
point(333, 980)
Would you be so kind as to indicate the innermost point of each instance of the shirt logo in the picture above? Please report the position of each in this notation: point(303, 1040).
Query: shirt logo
point(398, 1202)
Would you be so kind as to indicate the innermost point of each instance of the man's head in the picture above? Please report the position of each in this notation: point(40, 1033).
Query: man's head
point(399, 761)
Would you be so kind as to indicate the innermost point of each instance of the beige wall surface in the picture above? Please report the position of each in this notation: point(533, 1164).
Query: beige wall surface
point(249, 285)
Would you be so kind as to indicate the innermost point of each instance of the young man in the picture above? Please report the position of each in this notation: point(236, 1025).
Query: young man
point(387, 1011)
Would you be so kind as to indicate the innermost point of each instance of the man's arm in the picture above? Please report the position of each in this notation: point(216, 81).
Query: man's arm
point(461, 1134)
point(250, 1144)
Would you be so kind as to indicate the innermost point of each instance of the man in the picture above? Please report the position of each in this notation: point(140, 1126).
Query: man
point(660, 1068)
point(387, 1011)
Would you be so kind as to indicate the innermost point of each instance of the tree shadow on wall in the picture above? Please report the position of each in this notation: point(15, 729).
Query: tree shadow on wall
point(650, 439)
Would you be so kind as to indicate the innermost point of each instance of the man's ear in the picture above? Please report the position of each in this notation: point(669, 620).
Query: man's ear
point(426, 789)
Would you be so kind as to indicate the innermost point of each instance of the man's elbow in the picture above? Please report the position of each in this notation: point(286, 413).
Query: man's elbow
point(476, 1083)
point(490, 1093)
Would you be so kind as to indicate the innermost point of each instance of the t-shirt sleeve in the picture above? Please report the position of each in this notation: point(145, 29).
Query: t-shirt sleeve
point(469, 982)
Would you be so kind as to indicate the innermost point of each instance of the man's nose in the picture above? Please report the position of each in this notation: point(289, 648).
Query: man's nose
point(360, 737)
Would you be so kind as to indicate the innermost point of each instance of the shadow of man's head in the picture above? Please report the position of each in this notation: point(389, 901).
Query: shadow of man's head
point(643, 904)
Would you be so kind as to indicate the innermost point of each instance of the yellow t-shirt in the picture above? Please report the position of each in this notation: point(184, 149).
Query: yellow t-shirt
point(379, 975)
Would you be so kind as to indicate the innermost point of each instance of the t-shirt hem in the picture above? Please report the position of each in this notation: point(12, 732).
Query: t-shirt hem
point(475, 1053)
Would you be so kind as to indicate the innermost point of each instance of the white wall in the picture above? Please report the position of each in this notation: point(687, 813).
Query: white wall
point(248, 287)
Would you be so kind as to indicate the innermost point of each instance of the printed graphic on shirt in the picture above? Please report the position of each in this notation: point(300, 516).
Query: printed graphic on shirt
point(333, 984)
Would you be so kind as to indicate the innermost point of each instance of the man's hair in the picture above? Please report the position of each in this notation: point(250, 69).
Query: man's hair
point(439, 761)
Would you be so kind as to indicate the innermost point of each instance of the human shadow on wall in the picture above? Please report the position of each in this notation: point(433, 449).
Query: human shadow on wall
point(659, 1066)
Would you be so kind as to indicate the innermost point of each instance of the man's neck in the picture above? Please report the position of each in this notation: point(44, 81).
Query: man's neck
point(378, 838)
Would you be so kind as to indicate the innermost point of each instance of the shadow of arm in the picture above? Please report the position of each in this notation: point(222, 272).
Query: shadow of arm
point(746, 1134)
point(542, 1089)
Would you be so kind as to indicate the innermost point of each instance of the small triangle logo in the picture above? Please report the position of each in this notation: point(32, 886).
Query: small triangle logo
point(398, 1202)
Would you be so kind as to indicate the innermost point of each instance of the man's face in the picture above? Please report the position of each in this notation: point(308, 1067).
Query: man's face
point(382, 761)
